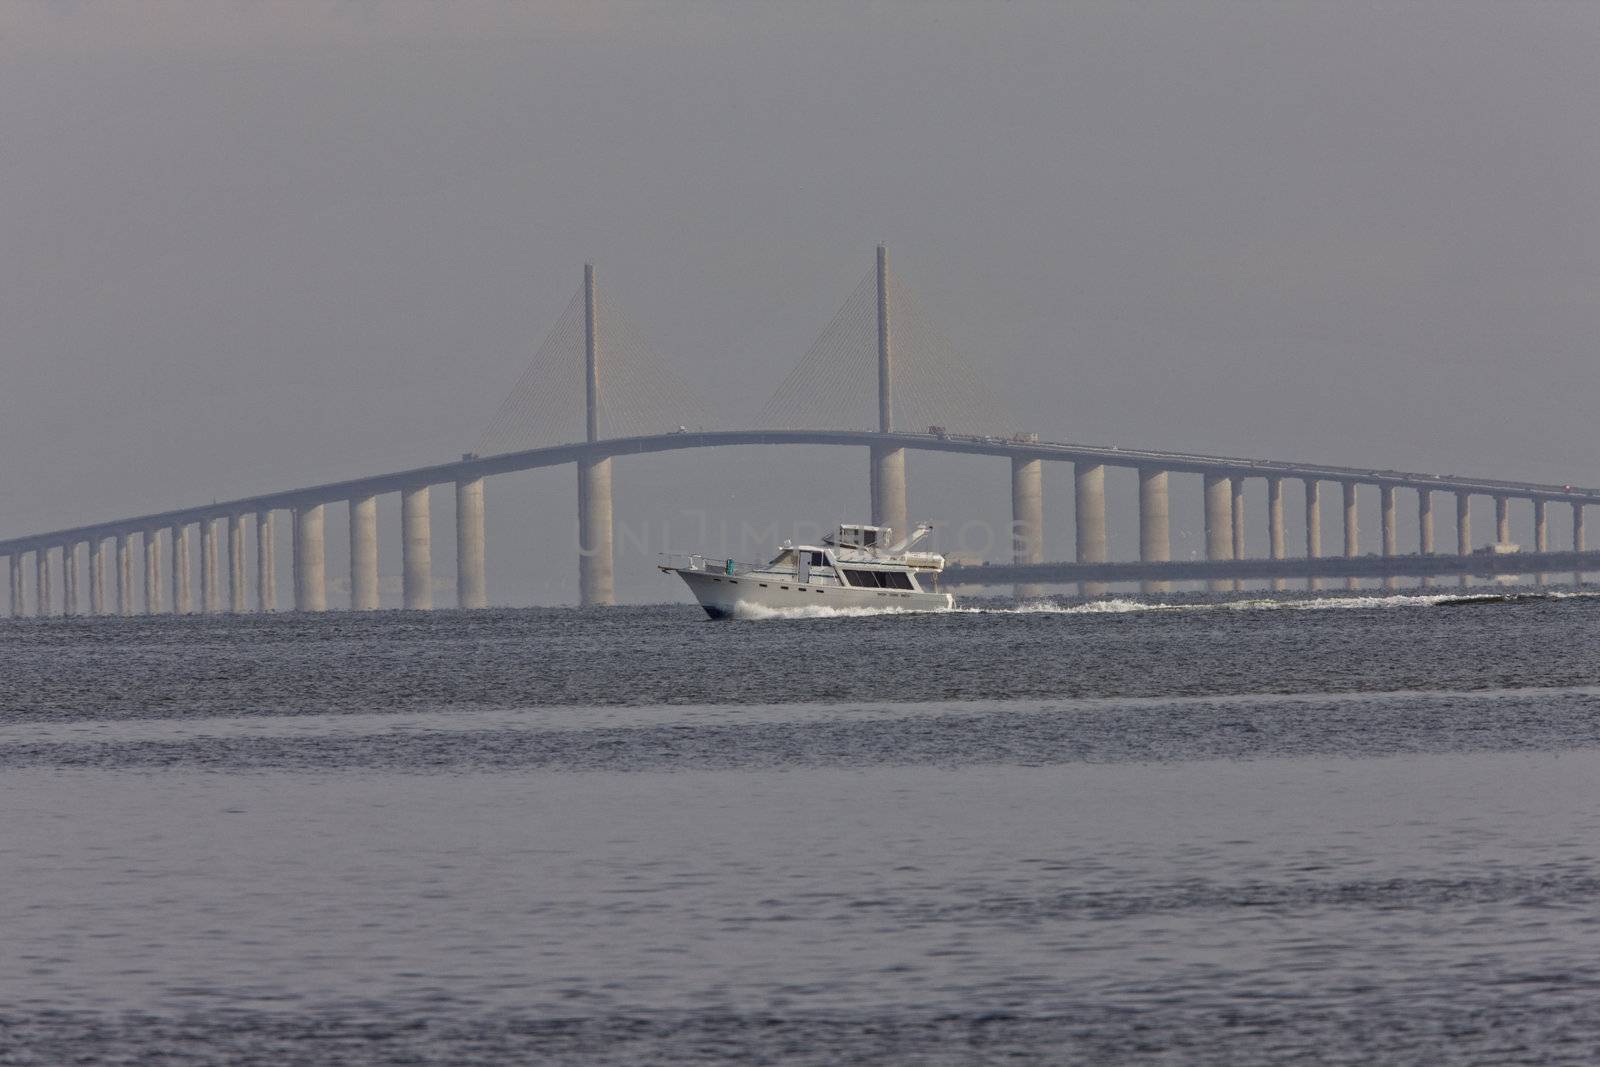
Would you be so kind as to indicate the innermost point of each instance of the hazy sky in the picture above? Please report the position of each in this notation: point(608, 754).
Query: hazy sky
point(258, 245)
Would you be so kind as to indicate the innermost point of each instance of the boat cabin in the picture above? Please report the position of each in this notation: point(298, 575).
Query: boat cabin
point(857, 556)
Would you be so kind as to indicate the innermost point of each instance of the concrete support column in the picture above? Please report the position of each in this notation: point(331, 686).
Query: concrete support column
point(1541, 534)
point(1577, 538)
point(19, 600)
point(43, 595)
point(471, 591)
point(152, 572)
point(124, 576)
point(1352, 530)
point(210, 587)
point(1089, 514)
point(1276, 542)
point(595, 580)
point(1313, 527)
point(236, 579)
point(310, 559)
point(364, 553)
point(416, 548)
point(1238, 525)
point(97, 576)
point(182, 601)
point(1391, 528)
point(1464, 531)
point(889, 506)
point(1027, 519)
point(69, 578)
point(266, 569)
point(1502, 520)
point(1425, 527)
point(1155, 540)
point(1219, 525)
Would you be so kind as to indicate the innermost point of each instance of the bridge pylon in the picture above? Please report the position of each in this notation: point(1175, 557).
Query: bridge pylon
point(593, 378)
point(888, 476)
point(596, 566)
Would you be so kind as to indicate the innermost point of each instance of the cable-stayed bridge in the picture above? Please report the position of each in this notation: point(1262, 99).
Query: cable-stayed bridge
point(880, 376)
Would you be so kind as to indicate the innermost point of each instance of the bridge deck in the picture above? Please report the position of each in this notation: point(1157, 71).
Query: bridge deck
point(1189, 570)
point(1110, 455)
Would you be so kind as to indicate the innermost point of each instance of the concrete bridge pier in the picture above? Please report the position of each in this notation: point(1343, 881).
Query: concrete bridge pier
point(97, 576)
point(471, 591)
point(1275, 539)
point(1352, 530)
point(1425, 528)
point(1089, 516)
point(1502, 520)
point(1541, 535)
point(1219, 525)
point(266, 570)
point(310, 559)
point(364, 553)
point(152, 572)
point(1313, 527)
point(1577, 538)
point(889, 506)
point(124, 575)
point(1390, 530)
point(42, 593)
point(416, 548)
point(69, 578)
point(595, 574)
point(236, 578)
point(19, 600)
point(1239, 525)
point(1155, 539)
point(210, 574)
point(1464, 530)
point(1027, 519)
point(182, 601)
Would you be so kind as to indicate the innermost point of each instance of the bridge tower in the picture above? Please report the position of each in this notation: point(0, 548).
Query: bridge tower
point(595, 569)
point(888, 463)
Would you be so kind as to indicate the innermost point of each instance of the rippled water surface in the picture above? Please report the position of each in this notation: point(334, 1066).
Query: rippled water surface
point(1202, 832)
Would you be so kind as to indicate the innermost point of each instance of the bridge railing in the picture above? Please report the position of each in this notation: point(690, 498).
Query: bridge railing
point(705, 564)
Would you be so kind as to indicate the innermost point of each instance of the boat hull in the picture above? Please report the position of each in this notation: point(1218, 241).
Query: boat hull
point(725, 596)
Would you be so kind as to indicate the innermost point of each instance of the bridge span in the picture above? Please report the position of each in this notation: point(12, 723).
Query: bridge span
point(119, 583)
point(222, 525)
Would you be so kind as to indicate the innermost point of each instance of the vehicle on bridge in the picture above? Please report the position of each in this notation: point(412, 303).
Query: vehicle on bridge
point(854, 568)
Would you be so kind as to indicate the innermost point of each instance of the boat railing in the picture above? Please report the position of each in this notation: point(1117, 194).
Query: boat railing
point(707, 564)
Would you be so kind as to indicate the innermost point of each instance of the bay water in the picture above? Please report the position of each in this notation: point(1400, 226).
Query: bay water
point(1192, 830)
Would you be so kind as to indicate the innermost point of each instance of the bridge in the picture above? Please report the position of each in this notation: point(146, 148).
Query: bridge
point(879, 346)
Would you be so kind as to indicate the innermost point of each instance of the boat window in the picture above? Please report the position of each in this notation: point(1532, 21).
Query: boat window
point(818, 559)
point(869, 537)
point(865, 579)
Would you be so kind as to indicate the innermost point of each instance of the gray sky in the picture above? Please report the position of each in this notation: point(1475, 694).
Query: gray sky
point(252, 246)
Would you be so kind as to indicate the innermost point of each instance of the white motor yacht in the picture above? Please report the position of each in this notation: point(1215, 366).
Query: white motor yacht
point(857, 567)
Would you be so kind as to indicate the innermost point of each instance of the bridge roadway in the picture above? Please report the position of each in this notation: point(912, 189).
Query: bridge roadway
point(471, 468)
point(1413, 566)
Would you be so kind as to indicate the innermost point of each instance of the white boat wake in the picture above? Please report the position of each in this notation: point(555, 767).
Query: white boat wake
point(1120, 606)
